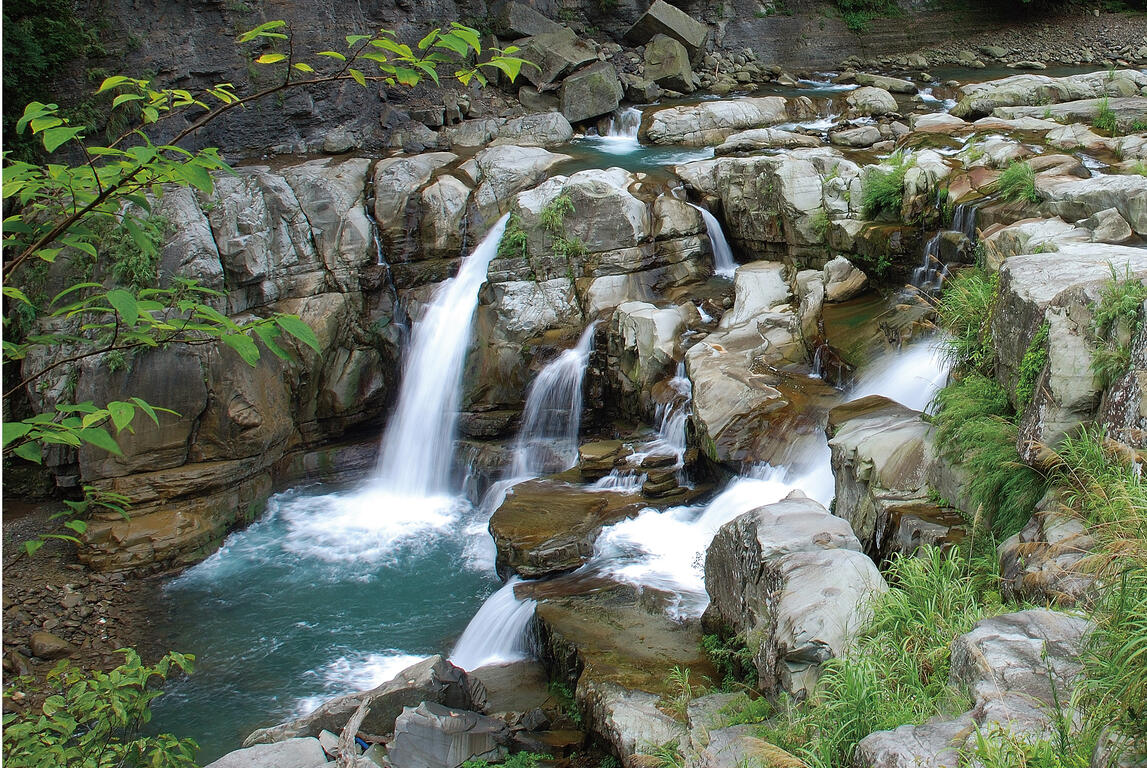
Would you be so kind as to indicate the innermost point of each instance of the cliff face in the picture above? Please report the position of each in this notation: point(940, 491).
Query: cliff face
point(191, 44)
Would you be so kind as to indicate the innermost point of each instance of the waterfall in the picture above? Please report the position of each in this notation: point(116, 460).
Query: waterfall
point(910, 377)
point(624, 123)
point(548, 439)
point(964, 220)
point(499, 632)
point(930, 275)
point(723, 263)
point(417, 447)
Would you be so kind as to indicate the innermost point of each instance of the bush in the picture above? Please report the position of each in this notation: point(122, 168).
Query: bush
point(858, 14)
point(95, 719)
point(1017, 183)
point(733, 660)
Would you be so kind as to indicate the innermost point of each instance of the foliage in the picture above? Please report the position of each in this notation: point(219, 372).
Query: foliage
point(1116, 321)
point(552, 218)
point(976, 428)
point(666, 755)
point(567, 702)
point(1105, 119)
point(732, 658)
point(965, 311)
point(858, 14)
point(1031, 366)
point(95, 720)
point(1017, 183)
point(514, 241)
point(883, 188)
point(682, 691)
point(516, 760)
point(818, 221)
point(897, 672)
point(93, 500)
point(998, 747)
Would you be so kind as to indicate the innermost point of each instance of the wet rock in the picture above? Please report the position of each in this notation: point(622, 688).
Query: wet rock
point(432, 680)
point(545, 130)
point(500, 173)
point(843, 281)
point(639, 90)
point(1126, 112)
point(291, 753)
point(893, 84)
point(1073, 199)
point(790, 574)
point(643, 341)
point(667, 64)
point(764, 138)
point(871, 101)
point(590, 92)
point(396, 181)
point(861, 136)
point(665, 19)
point(470, 134)
point(433, 736)
point(556, 54)
point(49, 647)
point(711, 122)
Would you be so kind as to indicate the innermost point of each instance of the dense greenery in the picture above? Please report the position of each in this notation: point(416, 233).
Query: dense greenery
point(1116, 321)
point(858, 14)
point(883, 189)
point(94, 720)
point(1017, 183)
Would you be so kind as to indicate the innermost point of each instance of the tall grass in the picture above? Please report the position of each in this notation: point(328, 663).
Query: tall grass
point(897, 671)
point(965, 311)
point(1017, 183)
point(883, 188)
point(976, 428)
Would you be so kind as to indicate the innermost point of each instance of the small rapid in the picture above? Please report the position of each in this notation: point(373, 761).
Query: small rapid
point(499, 633)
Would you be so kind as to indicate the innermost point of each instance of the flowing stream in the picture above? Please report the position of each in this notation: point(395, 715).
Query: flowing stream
point(723, 262)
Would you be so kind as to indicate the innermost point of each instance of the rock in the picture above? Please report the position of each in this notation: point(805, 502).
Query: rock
point(764, 138)
point(431, 680)
point(935, 744)
point(711, 122)
point(643, 340)
point(1107, 226)
point(292, 753)
point(330, 743)
point(980, 99)
point(937, 122)
point(862, 136)
point(1074, 199)
point(590, 92)
point(503, 171)
point(545, 130)
point(47, 646)
point(872, 101)
point(843, 281)
point(1042, 562)
point(339, 141)
point(396, 181)
point(556, 54)
point(1125, 111)
point(516, 20)
point(667, 64)
point(471, 133)
point(433, 736)
point(534, 101)
point(665, 19)
point(790, 574)
point(893, 84)
point(994, 51)
point(443, 217)
point(639, 90)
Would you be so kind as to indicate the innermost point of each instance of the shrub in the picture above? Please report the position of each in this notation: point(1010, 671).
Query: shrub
point(883, 188)
point(1017, 183)
point(94, 719)
point(514, 240)
point(858, 14)
point(516, 760)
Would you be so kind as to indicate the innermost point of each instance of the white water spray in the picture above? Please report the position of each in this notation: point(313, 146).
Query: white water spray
point(417, 449)
point(723, 262)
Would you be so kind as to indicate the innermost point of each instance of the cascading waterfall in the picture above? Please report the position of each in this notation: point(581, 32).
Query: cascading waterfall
point(964, 220)
point(499, 633)
point(624, 124)
point(417, 449)
point(930, 275)
point(548, 439)
point(723, 262)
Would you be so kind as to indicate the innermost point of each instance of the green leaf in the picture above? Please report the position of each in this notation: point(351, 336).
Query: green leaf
point(99, 437)
point(125, 304)
point(79, 526)
point(198, 177)
point(425, 42)
point(16, 294)
point(14, 430)
point(469, 34)
point(358, 76)
point(332, 54)
point(262, 30)
point(54, 137)
point(146, 408)
point(124, 98)
point(245, 346)
point(122, 413)
point(270, 58)
point(29, 451)
point(303, 67)
point(112, 82)
point(407, 76)
point(267, 334)
point(353, 40)
point(300, 330)
point(33, 546)
point(452, 43)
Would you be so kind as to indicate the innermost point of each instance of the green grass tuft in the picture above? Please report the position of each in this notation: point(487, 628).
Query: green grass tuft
point(1032, 365)
point(1105, 119)
point(883, 189)
point(965, 311)
point(1017, 183)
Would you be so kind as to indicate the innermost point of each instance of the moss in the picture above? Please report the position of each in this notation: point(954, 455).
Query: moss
point(1032, 365)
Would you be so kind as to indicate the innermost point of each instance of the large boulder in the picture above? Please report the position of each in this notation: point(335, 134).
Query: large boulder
point(555, 55)
point(667, 64)
point(397, 181)
point(292, 753)
point(590, 92)
point(1044, 562)
point(545, 130)
point(790, 576)
point(711, 122)
point(1073, 199)
point(433, 736)
point(433, 679)
point(644, 342)
point(981, 99)
point(517, 20)
point(881, 455)
point(893, 84)
point(872, 101)
point(764, 138)
point(665, 19)
point(500, 173)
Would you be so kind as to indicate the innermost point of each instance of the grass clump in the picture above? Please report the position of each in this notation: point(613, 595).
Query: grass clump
point(1116, 321)
point(897, 672)
point(514, 243)
point(516, 760)
point(976, 428)
point(1105, 119)
point(1032, 365)
point(965, 311)
point(1017, 183)
point(883, 188)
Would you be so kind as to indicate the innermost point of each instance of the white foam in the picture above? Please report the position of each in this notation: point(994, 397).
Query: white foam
point(355, 672)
